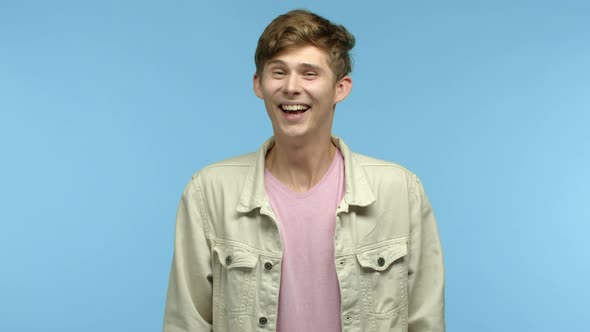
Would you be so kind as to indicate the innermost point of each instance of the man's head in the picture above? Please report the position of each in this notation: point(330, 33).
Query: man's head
point(300, 28)
point(302, 66)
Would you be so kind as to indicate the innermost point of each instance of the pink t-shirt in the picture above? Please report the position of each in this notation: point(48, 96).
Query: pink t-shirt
point(309, 297)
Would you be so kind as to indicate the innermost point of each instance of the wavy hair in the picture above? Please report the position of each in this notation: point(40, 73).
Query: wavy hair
point(300, 28)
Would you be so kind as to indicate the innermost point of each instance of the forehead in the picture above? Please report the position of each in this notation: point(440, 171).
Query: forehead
point(307, 55)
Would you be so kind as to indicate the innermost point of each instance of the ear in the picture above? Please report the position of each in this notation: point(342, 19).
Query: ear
point(343, 87)
point(257, 86)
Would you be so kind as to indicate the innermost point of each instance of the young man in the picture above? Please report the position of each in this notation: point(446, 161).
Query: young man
point(305, 235)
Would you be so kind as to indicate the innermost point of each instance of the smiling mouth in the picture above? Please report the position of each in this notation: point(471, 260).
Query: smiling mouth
point(294, 108)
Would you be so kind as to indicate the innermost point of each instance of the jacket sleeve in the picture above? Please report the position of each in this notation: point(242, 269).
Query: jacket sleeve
point(426, 309)
point(189, 298)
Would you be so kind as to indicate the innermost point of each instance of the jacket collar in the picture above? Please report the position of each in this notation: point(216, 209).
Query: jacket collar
point(357, 192)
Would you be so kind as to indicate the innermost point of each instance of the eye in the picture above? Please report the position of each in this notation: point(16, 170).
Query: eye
point(278, 72)
point(310, 74)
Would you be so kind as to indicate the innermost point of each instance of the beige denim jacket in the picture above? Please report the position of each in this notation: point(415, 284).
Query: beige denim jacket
point(226, 268)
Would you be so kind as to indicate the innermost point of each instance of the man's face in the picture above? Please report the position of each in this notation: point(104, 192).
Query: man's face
point(299, 92)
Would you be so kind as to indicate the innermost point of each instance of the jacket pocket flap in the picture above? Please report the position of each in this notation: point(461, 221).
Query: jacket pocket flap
point(233, 257)
point(381, 257)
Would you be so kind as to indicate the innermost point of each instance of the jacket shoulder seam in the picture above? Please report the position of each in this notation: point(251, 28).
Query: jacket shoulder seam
point(203, 210)
point(411, 177)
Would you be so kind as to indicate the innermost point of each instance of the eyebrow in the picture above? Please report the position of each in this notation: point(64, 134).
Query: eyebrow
point(275, 62)
point(301, 65)
point(311, 66)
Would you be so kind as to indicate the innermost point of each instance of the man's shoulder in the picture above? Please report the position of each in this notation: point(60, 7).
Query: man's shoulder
point(383, 176)
point(227, 168)
point(380, 167)
point(372, 166)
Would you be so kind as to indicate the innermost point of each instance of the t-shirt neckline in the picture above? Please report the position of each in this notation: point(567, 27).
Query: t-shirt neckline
point(297, 195)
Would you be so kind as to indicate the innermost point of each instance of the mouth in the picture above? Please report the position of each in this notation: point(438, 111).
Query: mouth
point(294, 109)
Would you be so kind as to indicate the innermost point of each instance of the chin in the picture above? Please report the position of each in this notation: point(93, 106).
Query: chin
point(291, 133)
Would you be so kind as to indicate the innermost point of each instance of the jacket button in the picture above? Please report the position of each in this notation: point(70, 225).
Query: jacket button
point(268, 266)
point(228, 260)
point(347, 319)
point(263, 321)
point(381, 261)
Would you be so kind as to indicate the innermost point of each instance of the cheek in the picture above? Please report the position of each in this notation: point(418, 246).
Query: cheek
point(321, 91)
point(270, 86)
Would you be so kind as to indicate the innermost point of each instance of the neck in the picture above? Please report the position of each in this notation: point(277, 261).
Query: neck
point(300, 165)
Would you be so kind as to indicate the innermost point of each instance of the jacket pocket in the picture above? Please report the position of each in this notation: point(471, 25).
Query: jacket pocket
point(383, 277)
point(234, 280)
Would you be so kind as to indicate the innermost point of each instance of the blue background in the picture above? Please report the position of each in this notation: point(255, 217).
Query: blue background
point(108, 107)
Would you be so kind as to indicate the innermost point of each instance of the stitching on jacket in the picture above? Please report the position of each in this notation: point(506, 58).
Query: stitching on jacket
point(362, 249)
point(247, 248)
point(203, 210)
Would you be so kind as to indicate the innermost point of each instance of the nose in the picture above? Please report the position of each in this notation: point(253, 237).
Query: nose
point(292, 86)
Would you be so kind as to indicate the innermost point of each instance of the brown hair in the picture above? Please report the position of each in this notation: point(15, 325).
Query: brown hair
point(299, 28)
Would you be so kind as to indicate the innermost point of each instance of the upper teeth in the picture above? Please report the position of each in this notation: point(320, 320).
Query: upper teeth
point(294, 107)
